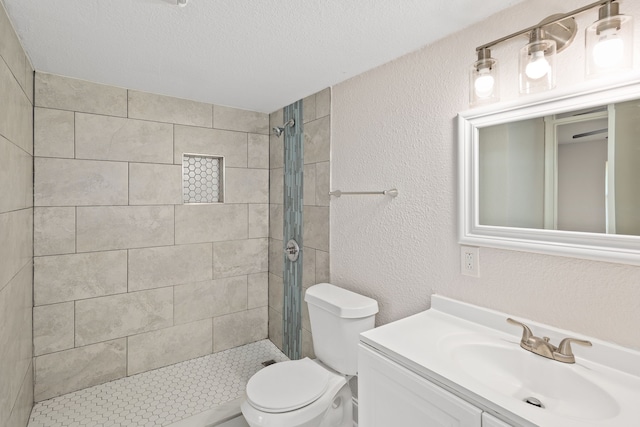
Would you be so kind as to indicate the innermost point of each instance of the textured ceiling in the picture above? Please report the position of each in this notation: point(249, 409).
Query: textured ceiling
point(253, 54)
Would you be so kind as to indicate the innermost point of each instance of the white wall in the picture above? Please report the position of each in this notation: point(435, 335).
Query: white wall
point(395, 126)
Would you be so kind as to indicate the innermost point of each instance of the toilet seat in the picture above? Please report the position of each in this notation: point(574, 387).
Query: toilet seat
point(287, 386)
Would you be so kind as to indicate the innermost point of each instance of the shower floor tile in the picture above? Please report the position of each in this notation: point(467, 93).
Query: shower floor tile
point(160, 397)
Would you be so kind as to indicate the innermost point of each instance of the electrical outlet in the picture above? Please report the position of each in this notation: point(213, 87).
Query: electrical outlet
point(470, 261)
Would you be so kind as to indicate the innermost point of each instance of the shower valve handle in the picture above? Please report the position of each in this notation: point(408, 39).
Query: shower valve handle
point(292, 250)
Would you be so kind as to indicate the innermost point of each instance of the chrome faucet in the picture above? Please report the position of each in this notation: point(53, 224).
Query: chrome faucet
point(542, 346)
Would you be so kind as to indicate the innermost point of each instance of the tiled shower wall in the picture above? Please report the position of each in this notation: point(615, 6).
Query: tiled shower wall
point(126, 277)
point(16, 228)
point(317, 149)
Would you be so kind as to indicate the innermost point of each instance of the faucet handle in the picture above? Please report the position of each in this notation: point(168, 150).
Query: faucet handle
point(526, 331)
point(564, 353)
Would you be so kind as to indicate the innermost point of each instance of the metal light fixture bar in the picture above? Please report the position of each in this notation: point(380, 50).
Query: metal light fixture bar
point(555, 19)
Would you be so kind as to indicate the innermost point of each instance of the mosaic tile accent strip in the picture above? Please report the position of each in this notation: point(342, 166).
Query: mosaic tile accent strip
point(293, 210)
point(202, 178)
point(160, 397)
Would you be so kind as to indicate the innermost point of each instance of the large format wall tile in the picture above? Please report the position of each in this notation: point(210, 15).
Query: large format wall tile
point(323, 103)
point(16, 119)
point(11, 50)
point(16, 176)
point(316, 227)
point(246, 185)
point(240, 328)
point(54, 231)
point(215, 142)
point(211, 223)
point(276, 221)
point(156, 349)
point(170, 265)
point(30, 78)
point(213, 298)
point(53, 133)
point(240, 120)
point(258, 290)
point(72, 277)
point(16, 249)
point(65, 182)
point(276, 186)
point(309, 185)
point(53, 328)
point(105, 318)
point(64, 93)
point(275, 328)
point(148, 106)
point(235, 258)
point(317, 138)
point(75, 369)
point(276, 257)
point(151, 184)
point(323, 180)
point(24, 402)
point(123, 227)
point(15, 337)
point(258, 220)
point(114, 138)
point(276, 152)
point(322, 267)
point(276, 292)
point(258, 151)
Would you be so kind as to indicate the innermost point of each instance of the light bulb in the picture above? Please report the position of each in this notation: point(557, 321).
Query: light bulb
point(538, 67)
point(609, 50)
point(484, 83)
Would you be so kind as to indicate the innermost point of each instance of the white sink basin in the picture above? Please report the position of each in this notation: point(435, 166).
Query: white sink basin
point(562, 388)
point(473, 352)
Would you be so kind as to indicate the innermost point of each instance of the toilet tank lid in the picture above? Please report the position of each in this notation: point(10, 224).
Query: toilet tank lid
point(341, 302)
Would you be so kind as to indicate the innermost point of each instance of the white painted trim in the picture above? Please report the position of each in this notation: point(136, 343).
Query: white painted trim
point(602, 247)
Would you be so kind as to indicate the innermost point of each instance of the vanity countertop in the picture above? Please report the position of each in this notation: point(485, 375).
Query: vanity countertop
point(474, 353)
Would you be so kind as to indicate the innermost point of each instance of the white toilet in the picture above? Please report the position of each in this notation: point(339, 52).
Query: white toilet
point(315, 393)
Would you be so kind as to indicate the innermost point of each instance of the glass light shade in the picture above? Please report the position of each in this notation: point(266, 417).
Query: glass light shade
point(609, 45)
point(537, 66)
point(483, 82)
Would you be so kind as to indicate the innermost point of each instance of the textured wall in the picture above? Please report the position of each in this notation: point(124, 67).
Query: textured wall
point(395, 126)
point(126, 277)
point(16, 228)
point(317, 145)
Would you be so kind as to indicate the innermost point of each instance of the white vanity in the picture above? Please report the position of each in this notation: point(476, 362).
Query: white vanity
point(462, 365)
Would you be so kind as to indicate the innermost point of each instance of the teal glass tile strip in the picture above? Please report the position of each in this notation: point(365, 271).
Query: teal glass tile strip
point(293, 190)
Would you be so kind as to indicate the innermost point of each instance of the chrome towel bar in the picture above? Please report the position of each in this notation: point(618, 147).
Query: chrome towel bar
point(337, 193)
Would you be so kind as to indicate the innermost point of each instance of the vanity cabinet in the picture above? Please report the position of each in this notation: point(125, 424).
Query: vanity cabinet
point(489, 420)
point(391, 395)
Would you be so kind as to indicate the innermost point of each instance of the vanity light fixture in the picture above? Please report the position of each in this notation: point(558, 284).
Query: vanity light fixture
point(182, 3)
point(609, 43)
point(537, 63)
point(484, 79)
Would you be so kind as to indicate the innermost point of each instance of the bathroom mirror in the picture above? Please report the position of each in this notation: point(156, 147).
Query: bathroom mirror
point(557, 173)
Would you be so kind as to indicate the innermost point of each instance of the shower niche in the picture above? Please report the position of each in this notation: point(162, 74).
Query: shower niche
point(202, 179)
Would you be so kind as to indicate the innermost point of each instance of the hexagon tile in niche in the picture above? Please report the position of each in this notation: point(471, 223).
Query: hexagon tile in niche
point(202, 179)
point(160, 397)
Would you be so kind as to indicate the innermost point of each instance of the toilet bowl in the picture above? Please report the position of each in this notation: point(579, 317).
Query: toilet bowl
point(315, 393)
point(298, 393)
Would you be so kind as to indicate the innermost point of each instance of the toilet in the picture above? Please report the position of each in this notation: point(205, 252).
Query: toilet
point(315, 393)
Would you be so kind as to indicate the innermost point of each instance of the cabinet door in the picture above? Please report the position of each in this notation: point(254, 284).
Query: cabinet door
point(489, 420)
point(390, 395)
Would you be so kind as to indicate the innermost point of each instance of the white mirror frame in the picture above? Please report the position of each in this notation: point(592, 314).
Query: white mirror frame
point(623, 249)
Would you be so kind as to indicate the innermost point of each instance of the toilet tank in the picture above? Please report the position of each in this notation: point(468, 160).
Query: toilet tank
point(338, 316)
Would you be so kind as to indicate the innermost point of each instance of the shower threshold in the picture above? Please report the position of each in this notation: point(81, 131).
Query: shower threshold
point(202, 392)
